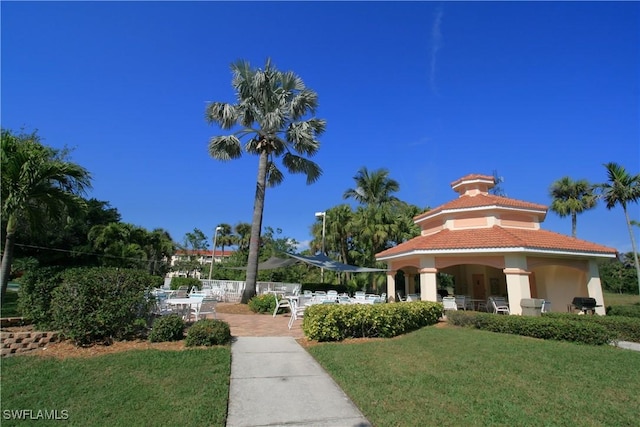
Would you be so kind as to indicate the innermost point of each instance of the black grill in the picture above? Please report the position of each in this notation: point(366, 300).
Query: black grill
point(584, 303)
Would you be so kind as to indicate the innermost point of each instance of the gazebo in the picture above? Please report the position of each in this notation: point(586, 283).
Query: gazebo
point(493, 245)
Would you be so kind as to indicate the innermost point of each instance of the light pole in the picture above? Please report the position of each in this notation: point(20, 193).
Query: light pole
point(324, 218)
point(213, 252)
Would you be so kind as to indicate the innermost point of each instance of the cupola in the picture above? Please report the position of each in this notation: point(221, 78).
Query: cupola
point(474, 184)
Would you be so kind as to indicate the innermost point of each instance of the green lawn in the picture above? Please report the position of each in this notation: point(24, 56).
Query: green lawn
point(611, 298)
point(455, 377)
point(135, 388)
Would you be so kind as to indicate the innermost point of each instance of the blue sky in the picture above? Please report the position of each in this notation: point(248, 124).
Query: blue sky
point(431, 91)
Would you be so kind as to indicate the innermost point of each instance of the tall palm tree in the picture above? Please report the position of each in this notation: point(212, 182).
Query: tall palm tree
point(225, 237)
point(242, 236)
point(37, 182)
point(272, 112)
point(571, 197)
point(373, 188)
point(621, 189)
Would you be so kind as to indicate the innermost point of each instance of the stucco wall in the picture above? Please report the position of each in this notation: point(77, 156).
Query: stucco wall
point(560, 285)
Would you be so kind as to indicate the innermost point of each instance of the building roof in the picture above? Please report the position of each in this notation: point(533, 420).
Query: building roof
point(496, 238)
point(203, 252)
point(479, 201)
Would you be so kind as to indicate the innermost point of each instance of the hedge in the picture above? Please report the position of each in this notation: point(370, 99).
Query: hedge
point(624, 310)
point(336, 322)
point(549, 327)
point(622, 328)
point(101, 304)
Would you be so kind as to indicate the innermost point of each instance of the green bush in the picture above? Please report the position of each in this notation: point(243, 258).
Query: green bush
point(101, 304)
point(546, 327)
point(208, 332)
point(461, 318)
point(190, 282)
point(264, 303)
point(167, 328)
point(624, 310)
point(35, 294)
point(335, 322)
point(622, 328)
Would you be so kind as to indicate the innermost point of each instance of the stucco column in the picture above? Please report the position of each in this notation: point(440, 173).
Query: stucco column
point(428, 281)
point(428, 284)
point(518, 286)
point(594, 287)
point(391, 285)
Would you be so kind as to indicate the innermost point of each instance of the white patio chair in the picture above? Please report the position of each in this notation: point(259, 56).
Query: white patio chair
point(383, 297)
point(181, 292)
point(400, 297)
point(546, 306)
point(332, 295)
point(297, 311)
point(360, 295)
point(449, 303)
point(281, 303)
point(461, 302)
point(413, 297)
point(500, 305)
point(207, 306)
point(307, 293)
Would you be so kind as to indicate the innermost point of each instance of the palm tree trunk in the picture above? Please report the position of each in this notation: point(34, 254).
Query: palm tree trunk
point(7, 258)
point(633, 245)
point(256, 227)
point(574, 220)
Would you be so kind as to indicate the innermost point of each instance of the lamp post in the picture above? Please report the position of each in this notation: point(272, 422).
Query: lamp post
point(324, 218)
point(213, 252)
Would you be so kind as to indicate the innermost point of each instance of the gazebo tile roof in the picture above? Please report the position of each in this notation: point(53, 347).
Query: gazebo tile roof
point(497, 237)
point(482, 200)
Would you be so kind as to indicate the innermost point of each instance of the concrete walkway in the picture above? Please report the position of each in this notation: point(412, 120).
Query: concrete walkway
point(275, 382)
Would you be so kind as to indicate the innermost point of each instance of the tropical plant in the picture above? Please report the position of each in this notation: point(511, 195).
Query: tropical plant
point(621, 189)
point(375, 188)
point(242, 236)
point(119, 244)
point(39, 185)
point(569, 198)
point(272, 112)
point(225, 237)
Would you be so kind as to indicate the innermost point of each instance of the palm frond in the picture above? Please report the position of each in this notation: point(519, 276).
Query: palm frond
point(225, 147)
point(274, 175)
point(300, 165)
point(223, 114)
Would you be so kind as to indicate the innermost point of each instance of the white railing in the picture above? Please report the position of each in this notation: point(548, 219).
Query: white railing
point(231, 290)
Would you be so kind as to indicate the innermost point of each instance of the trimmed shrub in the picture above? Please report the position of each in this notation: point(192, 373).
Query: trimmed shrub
point(101, 304)
point(35, 294)
point(208, 332)
point(622, 328)
point(190, 282)
point(167, 328)
point(264, 303)
point(461, 318)
point(335, 322)
point(546, 327)
point(624, 310)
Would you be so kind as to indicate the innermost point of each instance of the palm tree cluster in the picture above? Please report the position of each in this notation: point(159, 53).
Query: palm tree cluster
point(354, 235)
point(274, 116)
point(571, 197)
point(39, 183)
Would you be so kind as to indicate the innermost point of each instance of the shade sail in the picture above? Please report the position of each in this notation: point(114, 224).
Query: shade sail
point(325, 262)
point(270, 264)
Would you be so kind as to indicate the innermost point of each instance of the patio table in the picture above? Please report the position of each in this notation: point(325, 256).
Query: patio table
point(184, 305)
